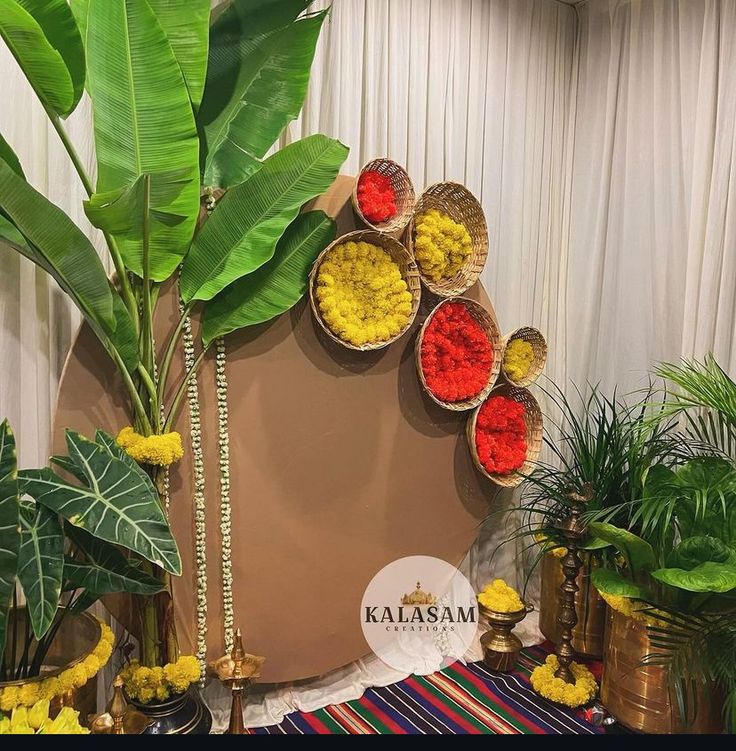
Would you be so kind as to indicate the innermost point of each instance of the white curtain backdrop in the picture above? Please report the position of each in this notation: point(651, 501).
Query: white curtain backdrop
point(600, 140)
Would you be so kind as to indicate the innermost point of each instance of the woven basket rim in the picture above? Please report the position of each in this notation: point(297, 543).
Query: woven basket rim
point(496, 345)
point(534, 428)
point(398, 222)
point(539, 345)
point(395, 247)
point(474, 265)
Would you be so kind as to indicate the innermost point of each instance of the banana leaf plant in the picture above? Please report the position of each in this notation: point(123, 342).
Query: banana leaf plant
point(187, 103)
point(60, 541)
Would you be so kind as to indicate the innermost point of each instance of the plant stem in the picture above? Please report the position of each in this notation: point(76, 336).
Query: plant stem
point(138, 408)
point(117, 259)
point(147, 312)
point(14, 632)
point(181, 391)
point(150, 388)
point(163, 374)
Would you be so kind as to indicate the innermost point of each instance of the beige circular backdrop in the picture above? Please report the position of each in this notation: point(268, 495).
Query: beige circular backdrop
point(340, 464)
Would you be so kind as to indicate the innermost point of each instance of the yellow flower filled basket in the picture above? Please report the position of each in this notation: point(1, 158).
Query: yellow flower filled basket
point(407, 269)
point(403, 188)
point(525, 370)
point(461, 206)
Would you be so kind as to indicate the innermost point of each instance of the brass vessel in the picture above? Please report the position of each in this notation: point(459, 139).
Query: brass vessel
point(588, 634)
point(638, 696)
point(76, 638)
point(501, 647)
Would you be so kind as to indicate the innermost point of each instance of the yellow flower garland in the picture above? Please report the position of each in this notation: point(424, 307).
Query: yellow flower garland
point(160, 450)
point(158, 684)
point(76, 676)
point(632, 608)
point(543, 540)
point(361, 294)
point(500, 597)
point(36, 721)
point(441, 245)
point(518, 359)
point(576, 694)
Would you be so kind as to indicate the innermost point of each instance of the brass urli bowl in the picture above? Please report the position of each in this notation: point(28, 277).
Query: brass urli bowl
point(500, 646)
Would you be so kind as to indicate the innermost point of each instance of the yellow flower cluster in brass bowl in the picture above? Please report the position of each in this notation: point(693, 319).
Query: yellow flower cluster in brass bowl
point(546, 684)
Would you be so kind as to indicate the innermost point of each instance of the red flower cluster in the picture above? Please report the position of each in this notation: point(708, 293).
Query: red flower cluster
point(500, 435)
point(456, 356)
point(376, 196)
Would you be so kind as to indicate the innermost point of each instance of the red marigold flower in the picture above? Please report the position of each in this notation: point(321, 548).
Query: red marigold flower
point(456, 356)
point(376, 196)
point(500, 435)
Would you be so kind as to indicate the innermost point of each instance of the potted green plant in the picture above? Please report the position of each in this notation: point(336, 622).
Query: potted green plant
point(66, 540)
point(601, 449)
point(186, 102)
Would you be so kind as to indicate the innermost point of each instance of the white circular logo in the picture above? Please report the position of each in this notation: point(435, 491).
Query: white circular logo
point(419, 614)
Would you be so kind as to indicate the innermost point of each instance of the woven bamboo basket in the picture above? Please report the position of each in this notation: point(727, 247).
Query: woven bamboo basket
point(408, 271)
point(405, 196)
point(539, 345)
point(534, 426)
point(490, 326)
point(461, 205)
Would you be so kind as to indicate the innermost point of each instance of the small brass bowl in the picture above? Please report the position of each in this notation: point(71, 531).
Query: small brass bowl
point(500, 646)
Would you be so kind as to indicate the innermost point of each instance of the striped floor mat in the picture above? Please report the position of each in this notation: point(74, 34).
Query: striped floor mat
point(457, 700)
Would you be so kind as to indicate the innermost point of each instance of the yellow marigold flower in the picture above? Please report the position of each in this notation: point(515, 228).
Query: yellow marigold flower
point(361, 294)
point(441, 245)
point(39, 713)
point(49, 688)
point(159, 450)
point(77, 675)
point(543, 540)
point(190, 667)
point(518, 359)
point(576, 694)
point(28, 694)
point(146, 695)
point(500, 597)
point(162, 693)
point(102, 652)
point(91, 665)
point(9, 698)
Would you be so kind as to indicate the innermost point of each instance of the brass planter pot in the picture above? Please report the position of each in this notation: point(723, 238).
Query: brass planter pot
point(76, 638)
point(588, 634)
point(638, 696)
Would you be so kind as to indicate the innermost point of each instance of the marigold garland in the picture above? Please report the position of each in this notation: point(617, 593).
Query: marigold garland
point(441, 245)
point(633, 608)
point(376, 197)
point(200, 531)
point(36, 721)
point(576, 694)
point(500, 597)
point(361, 294)
point(27, 694)
point(500, 435)
point(225, 508)
point(549, 546)
point(158, 450)
point(456, 356)
point(158, 684)
point(518, 359)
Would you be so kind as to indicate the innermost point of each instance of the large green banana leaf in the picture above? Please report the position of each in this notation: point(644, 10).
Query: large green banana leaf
point(8, 156)
point(242, 232)
point(186, 24)
point(66, 253)
point(117, 505)
point(268, 92)
point(638, 553)
point(277, 285)
point(80, 8)
point(143, 121)
point(57, 22)
point(105, 569)
point(40, 564)
point(9, 533)
point(41, 63)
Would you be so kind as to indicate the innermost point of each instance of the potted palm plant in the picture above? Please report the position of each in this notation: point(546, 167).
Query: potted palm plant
point(186, 102)
point(601, 449)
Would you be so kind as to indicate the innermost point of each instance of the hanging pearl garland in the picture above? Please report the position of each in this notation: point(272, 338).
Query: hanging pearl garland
point(225, 508)
point(200, 537)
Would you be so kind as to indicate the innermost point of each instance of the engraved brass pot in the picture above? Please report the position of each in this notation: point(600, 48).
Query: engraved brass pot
point(76, 638)
point(638, 696)
point(501, 647)
point(183, 714)
point(588, 634)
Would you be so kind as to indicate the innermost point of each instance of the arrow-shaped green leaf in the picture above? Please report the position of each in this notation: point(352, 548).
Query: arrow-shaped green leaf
point(9, 525)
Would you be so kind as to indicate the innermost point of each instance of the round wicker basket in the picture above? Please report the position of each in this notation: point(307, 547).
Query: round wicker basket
point(490, 326)
point(461, 205)
point(403, 188)
point(534, 426)
point(539, 345)
point(408, 271)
